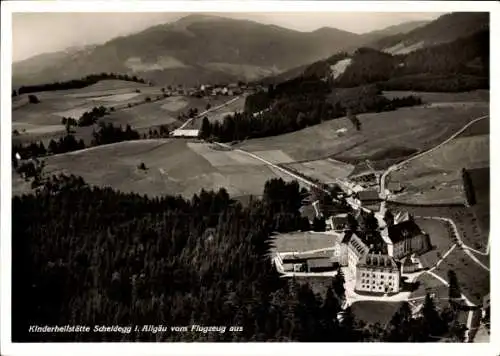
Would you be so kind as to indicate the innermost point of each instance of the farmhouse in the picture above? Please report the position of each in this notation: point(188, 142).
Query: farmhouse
point(185, 133)
point(377, 273)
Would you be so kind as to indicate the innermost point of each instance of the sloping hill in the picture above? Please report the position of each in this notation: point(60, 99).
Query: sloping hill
point(196, 48)
point(446, 28)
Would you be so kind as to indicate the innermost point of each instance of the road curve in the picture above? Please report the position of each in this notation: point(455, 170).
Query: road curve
point(398, 165)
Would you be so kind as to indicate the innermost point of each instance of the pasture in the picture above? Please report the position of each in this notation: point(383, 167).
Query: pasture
point(440, 240)
point(474, 281)
point(173, 167)
point(417, 128)
point(324, 170)
point(436, 177)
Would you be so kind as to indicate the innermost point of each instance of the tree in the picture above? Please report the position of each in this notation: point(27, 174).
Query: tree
point(389, 218)
point(338, 282)
point(468, 188)
point(454, 288)
point(354, 120)
point(206, 128)
point(14, 93)
point(319, 224)
point(208, 106)
point(142, 166)
point(33, 99)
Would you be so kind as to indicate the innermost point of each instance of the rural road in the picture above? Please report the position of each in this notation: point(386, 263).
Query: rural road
point(207, 111)
point(400, 164)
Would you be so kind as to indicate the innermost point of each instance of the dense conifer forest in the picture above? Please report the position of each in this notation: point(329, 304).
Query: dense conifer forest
point(84, 255)
point(76, 83)
point(297, 104)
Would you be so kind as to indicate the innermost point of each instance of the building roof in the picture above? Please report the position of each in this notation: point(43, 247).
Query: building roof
point(372, 260)
point(185, 133)
point(367, 195)
point(358, 245)
point(404, 230)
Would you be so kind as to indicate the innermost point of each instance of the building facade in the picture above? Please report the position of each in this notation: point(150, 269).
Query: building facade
point(377, 273)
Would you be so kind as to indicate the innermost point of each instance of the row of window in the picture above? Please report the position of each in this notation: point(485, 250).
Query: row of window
point(373, 282)
point(373, 275)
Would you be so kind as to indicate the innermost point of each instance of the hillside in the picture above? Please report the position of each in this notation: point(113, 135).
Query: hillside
point(446, 28)
point(196, 48)
point(460, 65)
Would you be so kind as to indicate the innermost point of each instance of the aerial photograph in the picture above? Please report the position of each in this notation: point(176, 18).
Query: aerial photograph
point(250, 177)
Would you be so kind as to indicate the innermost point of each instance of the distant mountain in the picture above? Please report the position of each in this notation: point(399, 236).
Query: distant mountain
point(456, 43)
point(446, 28)
point(399, 29)
point(194, 49)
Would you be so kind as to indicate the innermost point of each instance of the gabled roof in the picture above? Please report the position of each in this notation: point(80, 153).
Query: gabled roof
point(404, 230)
point(358, 245)
point(378, 261)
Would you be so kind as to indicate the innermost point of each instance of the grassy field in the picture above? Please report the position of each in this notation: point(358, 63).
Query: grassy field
point(430, 284)
point(440, 240)
point(42, 121)
point(303, 241)
point(372, 312)
point(436, 177)
point(417, 128)
point(325, 170)
point(474, 281)
point(173, 167)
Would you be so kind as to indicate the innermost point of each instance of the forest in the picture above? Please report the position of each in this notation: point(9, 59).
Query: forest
point(299, 103)
point(105, 134)
point(76, 83)
point(84, 255)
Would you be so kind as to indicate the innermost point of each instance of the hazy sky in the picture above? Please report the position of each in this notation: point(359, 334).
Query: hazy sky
point(35, 33)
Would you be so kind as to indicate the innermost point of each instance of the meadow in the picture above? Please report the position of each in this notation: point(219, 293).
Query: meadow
point(173, 166)
point(436, 177)
point(412, 129)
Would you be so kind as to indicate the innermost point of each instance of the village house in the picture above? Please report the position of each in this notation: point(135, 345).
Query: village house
point(377, 273)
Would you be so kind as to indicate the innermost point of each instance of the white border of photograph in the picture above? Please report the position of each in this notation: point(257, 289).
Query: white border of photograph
point(8, 348)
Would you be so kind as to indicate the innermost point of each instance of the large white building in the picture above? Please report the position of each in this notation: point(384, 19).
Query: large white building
point(377, 273)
